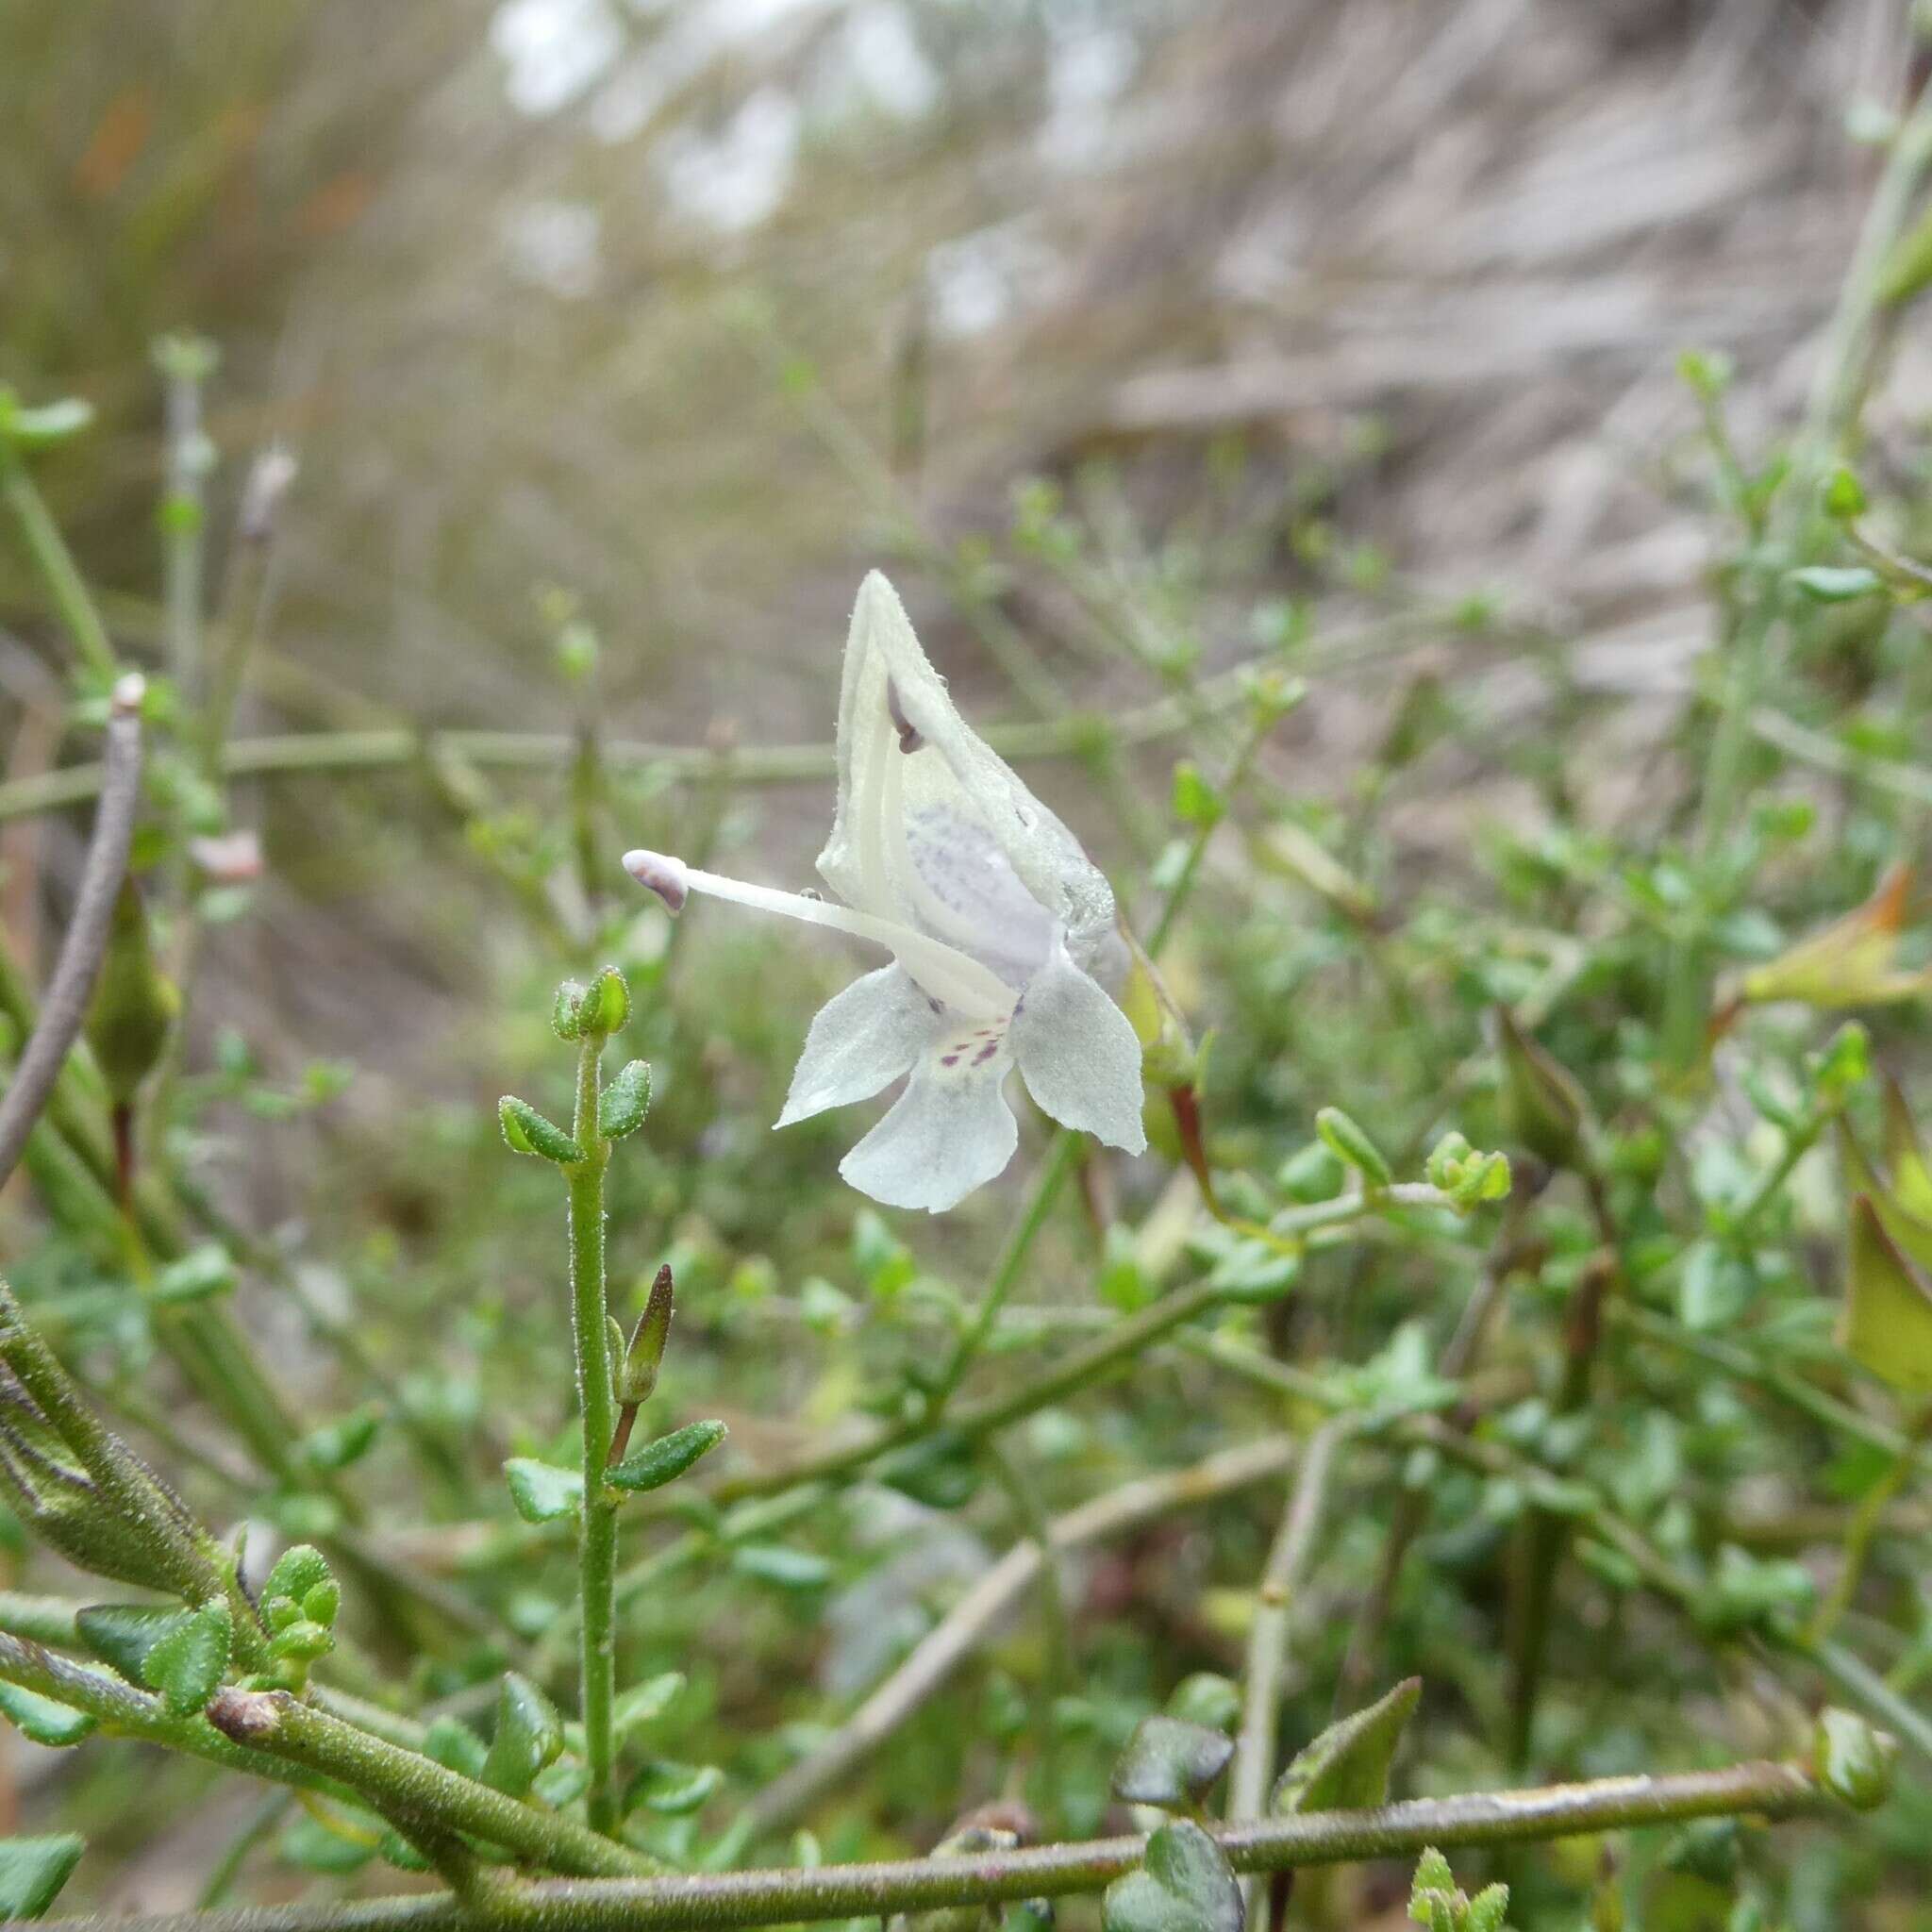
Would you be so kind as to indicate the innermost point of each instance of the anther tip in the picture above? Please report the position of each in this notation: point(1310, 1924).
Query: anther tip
point(659, 873)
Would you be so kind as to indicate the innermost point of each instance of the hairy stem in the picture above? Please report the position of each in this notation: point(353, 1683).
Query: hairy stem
point(597, 1546)
point(1764, 1789)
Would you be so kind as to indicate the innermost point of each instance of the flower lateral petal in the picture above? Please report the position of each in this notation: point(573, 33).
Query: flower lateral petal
point(860, 1040)
point(1078, 1054)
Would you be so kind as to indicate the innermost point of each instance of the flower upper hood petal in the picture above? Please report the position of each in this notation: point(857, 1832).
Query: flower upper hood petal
point(978, 845)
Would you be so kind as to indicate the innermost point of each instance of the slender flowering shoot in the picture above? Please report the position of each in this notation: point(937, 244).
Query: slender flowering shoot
point(1001, 931)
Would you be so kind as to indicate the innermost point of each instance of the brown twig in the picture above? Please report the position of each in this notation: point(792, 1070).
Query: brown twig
point(65, 1005)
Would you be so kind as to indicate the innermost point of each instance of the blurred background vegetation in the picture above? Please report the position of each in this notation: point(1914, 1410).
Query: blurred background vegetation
point(1141, 340)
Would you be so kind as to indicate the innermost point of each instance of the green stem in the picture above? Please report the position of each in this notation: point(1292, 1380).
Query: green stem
point(1062, 1156)
point(279, 1726)
point(1765, 1789)
point(597, 1547)
point(180, 1549)
point(56, 564)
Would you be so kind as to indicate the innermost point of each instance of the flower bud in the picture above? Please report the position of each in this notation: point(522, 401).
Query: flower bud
point(606, 1006)
point(134, 1003)
point(637, 1374)
point(567, 1011)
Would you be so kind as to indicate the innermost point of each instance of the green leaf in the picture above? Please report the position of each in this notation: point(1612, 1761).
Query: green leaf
point(199, 1275)
point(1196, 801)
point(1887, 1323)
point(331, 1837)
point(1170, 1762)
point(623, 1104)
point(41, 1719)
point(1844, 496)
point(336, 1445)
point(943, 1472)
point(33, 1870)
point(396, 1850)
point(528, 1132)
point(1184, 1885)
point(1350, 1143)
point(455, 1746)
point(1826, 583)
point(672, 1789)
point(787, 1568)
point(122, 1634)
point(542, 1491)
point(1852, 1760)
point(1714, 1288)
point(1206, 1698)
point(300, 1569)
point(1346, 1767)
point(1544, 1108)
point(52, 422)
point(529, 1735)
point(188, 1663)
point(660, 1463)
point(644, 1703)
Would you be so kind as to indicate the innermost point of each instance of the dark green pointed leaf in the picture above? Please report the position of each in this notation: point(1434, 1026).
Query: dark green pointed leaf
point(41, 1719)
point(1171, 1762)
point(1346, 1768)
point(542, 1491)
point(1184, 1885)
point(122, 1634)
point(33, 1870)
point(529, 1735)
point(660, 1463)
point(188, 1663)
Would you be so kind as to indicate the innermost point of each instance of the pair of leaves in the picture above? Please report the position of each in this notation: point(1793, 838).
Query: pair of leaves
point(546, 1491)
point(181, 1654)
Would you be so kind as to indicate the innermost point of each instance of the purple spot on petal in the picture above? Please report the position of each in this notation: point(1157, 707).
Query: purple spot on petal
point(985, 1053)
point(949, 1059)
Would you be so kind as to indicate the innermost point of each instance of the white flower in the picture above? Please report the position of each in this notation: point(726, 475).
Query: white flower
point(996, 921)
